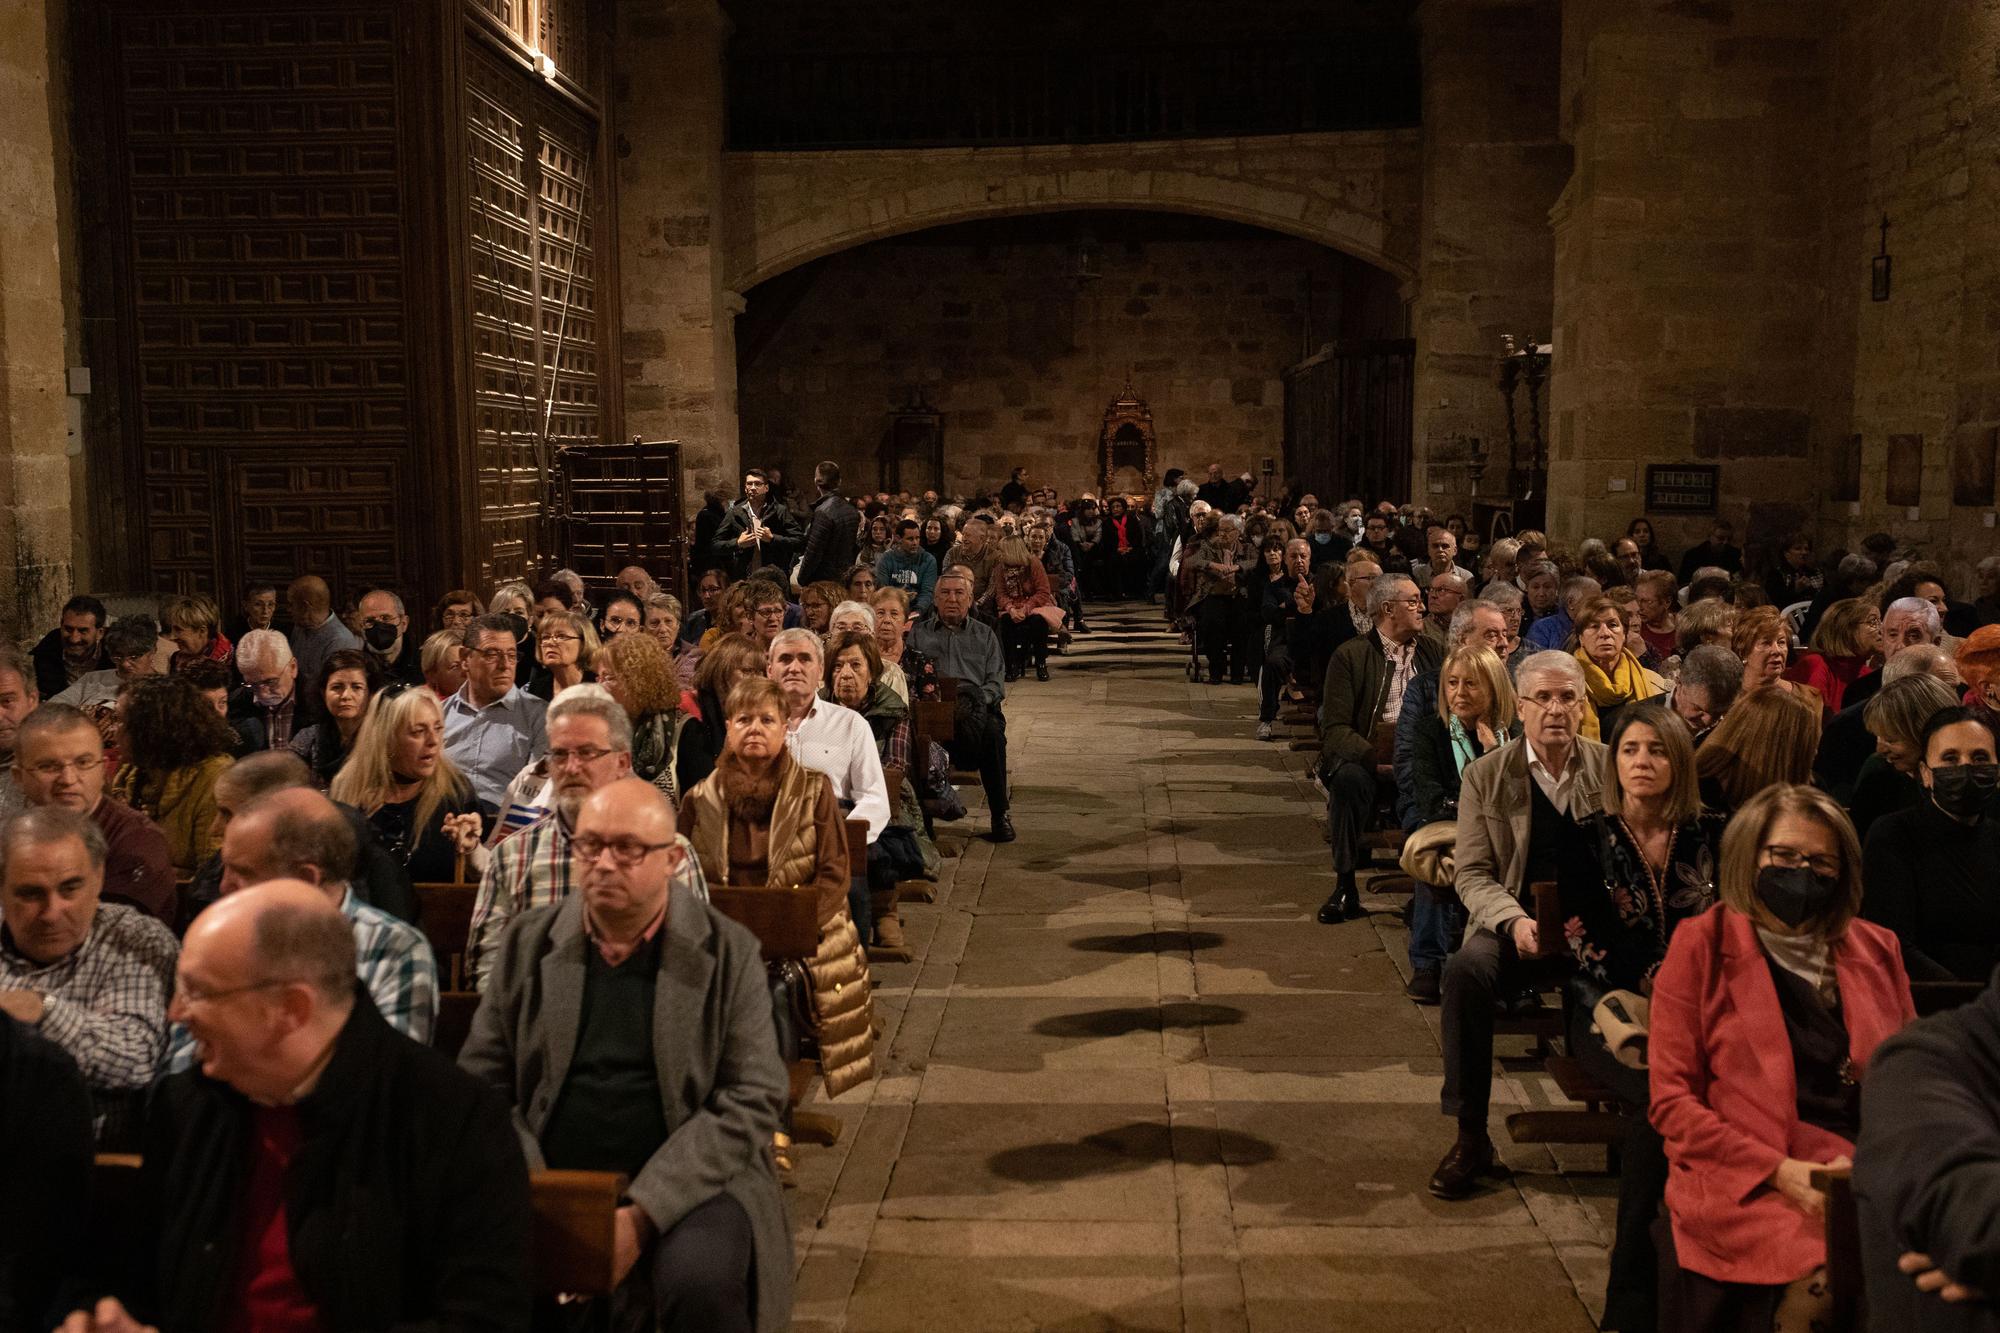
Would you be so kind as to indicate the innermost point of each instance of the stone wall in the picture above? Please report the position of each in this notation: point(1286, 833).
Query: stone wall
point(1022, 359)
point(35, 536)
point(1915, 129)
point(1493, 165)
point(1690, 311)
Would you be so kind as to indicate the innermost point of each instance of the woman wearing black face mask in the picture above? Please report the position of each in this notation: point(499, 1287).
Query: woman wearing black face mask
point(1933, 870)
point(1762, 1023)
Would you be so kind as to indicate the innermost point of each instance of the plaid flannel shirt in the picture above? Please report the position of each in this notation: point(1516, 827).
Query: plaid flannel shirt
point(394, 964)
point(106, 1003)
point(531, 869)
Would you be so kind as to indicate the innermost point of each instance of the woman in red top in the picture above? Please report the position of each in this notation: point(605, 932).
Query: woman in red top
point(1763, 1020)
point(1026, 608)
point(1847, 645)
point(195, 626)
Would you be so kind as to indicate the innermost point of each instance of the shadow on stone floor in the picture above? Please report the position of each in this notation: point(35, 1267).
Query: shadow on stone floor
point(1124, 1022)
point(1125, 1148)
point(1152, 941)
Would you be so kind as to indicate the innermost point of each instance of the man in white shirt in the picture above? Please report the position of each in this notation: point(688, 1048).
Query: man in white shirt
point(825, 735)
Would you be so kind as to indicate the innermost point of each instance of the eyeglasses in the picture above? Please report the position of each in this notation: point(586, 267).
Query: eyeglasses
point(624, 851)
point(55, 768)
point(1791, 858)
point(587, 755)
point(562, 638)
point(1564, 699)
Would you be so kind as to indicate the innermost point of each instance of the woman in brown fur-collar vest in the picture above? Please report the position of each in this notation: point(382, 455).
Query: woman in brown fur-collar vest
point(763, 818)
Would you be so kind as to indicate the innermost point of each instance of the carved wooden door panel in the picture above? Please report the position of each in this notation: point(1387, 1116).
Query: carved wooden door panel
point(261, 195)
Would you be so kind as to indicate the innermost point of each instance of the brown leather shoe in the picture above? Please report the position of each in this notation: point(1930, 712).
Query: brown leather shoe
point(1458, 1174)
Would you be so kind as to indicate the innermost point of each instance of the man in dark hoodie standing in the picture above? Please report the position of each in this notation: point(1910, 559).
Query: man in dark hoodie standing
point(833, 532)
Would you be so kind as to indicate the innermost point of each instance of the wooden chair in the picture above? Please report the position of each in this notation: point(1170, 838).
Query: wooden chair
point(1844, 1275)
point(570, 1241)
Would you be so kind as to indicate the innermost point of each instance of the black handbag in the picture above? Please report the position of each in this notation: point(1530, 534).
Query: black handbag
point(791, 1010)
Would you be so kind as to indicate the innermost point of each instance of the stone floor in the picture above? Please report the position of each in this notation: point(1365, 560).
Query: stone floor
point(1129, 1082)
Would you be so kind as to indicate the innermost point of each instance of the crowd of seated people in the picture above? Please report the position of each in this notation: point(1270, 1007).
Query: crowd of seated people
point(1763, 797)
point(219, 839)
point(1759, 796)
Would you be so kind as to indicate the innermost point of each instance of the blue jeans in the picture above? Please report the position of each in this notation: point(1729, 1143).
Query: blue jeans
point(1433, 921)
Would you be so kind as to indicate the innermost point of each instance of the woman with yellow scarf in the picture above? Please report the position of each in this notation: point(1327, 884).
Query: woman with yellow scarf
point(1610, 669)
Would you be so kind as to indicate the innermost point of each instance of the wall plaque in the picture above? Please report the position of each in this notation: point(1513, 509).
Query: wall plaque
point(1682, 488)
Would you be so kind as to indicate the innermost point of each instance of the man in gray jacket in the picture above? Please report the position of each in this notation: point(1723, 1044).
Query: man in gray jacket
point(1518, 807)
point(630, 1028)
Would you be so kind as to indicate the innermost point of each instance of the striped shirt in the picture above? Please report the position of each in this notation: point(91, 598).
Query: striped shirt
point(393, 961)
point(106, 1004)
point(534, 868)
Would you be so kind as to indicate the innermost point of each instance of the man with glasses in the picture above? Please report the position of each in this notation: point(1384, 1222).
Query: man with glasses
point(1363, 697)
point(1518, 812)
point(630, 1028)
point(755, 531)
point(287, 1181)
point(92, 977)
point(590, 747)
point(59, 762)
point(265, 710)
point(492, 727)
point(130, 645)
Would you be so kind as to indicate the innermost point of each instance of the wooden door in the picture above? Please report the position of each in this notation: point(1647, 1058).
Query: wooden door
point(1348, 421)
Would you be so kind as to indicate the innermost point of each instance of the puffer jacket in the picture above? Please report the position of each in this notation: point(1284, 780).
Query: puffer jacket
point(842, 999)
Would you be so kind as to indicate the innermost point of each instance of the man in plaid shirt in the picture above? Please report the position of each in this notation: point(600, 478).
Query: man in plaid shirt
point(93, 977)
point(590, 746)
point(299, 834)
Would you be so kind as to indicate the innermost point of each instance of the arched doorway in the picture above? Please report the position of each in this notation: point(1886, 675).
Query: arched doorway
point(1019, 332)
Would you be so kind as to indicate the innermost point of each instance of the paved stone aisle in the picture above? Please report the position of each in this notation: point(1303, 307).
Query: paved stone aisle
point(1130, 1083)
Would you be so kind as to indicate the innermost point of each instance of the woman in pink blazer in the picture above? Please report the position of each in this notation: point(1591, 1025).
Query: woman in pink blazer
point(1763, 1019)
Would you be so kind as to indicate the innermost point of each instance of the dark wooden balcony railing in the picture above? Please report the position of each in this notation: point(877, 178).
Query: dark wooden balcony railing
point(978, 98)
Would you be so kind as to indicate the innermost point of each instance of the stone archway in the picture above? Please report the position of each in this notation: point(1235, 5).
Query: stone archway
point(1357, 192)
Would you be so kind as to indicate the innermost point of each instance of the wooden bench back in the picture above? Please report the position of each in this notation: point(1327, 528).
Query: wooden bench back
point(1843, 1244)
point(447, 916)
point(570, 1242)
point(857, 848)
point(454, 1020)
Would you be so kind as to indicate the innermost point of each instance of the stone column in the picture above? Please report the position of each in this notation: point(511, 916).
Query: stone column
point(678, 322)
point(1493, 165)
point(1688, 291)
point(35, 537)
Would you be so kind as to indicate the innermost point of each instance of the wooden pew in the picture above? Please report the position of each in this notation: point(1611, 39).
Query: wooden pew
point(571, 1240)
point(1601, 1121)
point(1842, 1219)
point(454, 1020)
point(447, 918)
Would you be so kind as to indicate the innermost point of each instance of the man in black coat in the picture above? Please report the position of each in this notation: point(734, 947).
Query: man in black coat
point(1927, 1172)
point(74, 648)
point(755, 531)
point(45, 1123)
point(316, 1161)
point(834, 532)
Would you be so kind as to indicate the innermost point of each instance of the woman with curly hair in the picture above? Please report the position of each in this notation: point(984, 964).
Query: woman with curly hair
point(175, 746)
point(666, 751)
point(349, 680)
point(414, 797)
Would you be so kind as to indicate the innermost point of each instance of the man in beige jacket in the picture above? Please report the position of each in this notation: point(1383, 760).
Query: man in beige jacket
point(1518, 808)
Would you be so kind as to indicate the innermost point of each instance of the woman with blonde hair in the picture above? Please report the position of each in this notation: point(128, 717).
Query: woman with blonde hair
point(816, 603)
point(398, 776)
point(195, 625)
point(892, 620)
point(1763, 1020)
point(566, 648)
point(763, 819)
point(1026, 609)
point(1611, 671)
point(443, 662)
point(1888, 780)
point(1768, 738)
point(666, 751)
